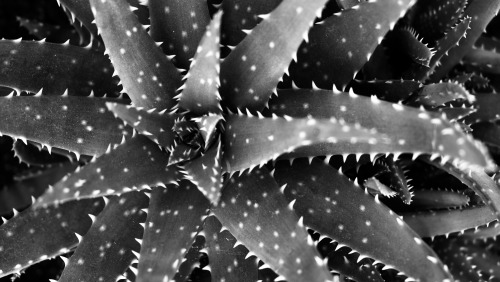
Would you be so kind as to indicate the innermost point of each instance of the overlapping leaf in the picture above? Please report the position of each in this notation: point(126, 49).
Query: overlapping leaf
point(106, 250)
point(387, 90)
point(37, 235)
point(439, 199)
point(200, 94)
point(19, 194)
point(437, 94)
point(240, 15)
point(476, 179)
point(180, 24)
point(432, 19)
point(137, 164)
point(228, 261)
point(174, 218)
point(157, 126)
point(33, 65)
point(251, 141)
point(443, 222)
point(248, 79)
point(482, 12)
point(335, 207)
point(428, 133)
point(256, 213)
point(150, 79)
point(446, 43)
point(206, 172)
point(78, 124)
point(484, 60)
point(370, 21)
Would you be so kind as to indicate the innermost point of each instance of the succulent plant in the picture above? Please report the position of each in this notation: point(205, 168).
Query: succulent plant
point(255, 140)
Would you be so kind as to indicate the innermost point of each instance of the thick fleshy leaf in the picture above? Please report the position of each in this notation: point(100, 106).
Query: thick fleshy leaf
point(174, 218)
point(206, 173)
point(337, 208)
point(251, 141)
point(248, 77)
point(443, 222)
point(484, 60)
point(476, 179)
point(150, 79)
point(33, 65)
point(180, 25)
point(458, 260)
point(208, 128)
point(487, 43)
point(200, 94)
point(431, 19)
point(80, 9)
point(396, 178)
point(456, 113)
point(226, 257)
point(428, 133)
point(437, 94)
point(256, 213)
point(78, 124)
point(353, 34)
point(106, 250)
point(439, 199)
point(37, 235)
point(481, 12)
point(387, 90)
point(443, 45)
point(240, 15)
point(412, 47)
point(157, 126)
point(137, 164)
point(19, 194)
point(490, 230)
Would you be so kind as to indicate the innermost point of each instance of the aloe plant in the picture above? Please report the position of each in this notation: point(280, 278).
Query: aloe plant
point(254, 140)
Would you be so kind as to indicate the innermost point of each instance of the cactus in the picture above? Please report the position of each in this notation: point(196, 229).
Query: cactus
point(288, 140)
